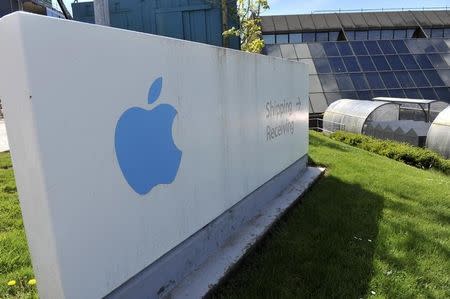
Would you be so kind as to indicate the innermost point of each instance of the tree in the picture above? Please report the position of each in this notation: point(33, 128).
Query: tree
point(249, 31)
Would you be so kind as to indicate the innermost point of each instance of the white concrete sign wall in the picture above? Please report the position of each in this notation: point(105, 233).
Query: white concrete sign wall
point(125, 144)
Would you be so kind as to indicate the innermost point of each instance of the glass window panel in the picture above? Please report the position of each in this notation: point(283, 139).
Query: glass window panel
point(295, 38)
point(282, 38)
point(321, 36)
point(344, 82)
point(328, 83)
point(318, 102)
point(349, 95)
point(372, 47)
point(409, 62)
point(365, 95)
point(314, 84)
point(419, 78)
point(440, 45)
point(375, 81)
point(387, 34)
point(330, 49)
point(350, 35)
point(310, 63)
point(309, 37)
point(423, 61)
point(380, 93)
point(389, 80)
point(399, 34)
point(400, 46)
point(322, 66)
point(413, 93)
point(337, 65)
point(344, 49)
point(410, 33)
point(447, 32)
point(359, 81)
point(333, 35)
point(316, 50)
point(381, 63)
point(445, 76)
point(434, 78)
point(427, 31)
point(351, 64)
point(374, 34)
point(358, 48)
point(404, 79)
point(446, 57)
point(428, 93)
point(386, 47)
point(437, 61)
point(269, 39)
point(443, 93)
point(333, 97)
point(366, 63)
point(396, 93)
point(395, 62)
point(361, 35)
point(437, 32)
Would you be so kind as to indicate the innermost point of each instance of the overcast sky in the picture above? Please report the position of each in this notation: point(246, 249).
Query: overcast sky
point(279, 7)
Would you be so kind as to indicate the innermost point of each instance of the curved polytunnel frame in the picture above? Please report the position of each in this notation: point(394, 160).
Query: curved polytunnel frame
point(351, 115)
point(438, 137)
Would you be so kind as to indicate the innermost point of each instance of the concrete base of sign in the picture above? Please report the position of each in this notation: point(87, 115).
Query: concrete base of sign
point(198, 264)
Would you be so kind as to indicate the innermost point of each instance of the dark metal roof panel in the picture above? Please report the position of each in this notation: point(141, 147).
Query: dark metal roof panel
point(293, 23)
point(267, 24)
point(396, 18)
point(280, 23)
point(384, 20)
point(319, 22)
point(307, 22)
point(358, 20)
point(371, 20)
point(408, 19)
point(346, 20)
point(333, 21)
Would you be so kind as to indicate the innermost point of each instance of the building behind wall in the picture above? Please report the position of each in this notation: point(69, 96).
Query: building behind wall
point(362, 55)
point(199, 20)
point(42, 7)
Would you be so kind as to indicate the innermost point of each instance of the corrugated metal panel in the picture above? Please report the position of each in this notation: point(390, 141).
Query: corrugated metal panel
point(346, 20)
point(319, 22)
point(396, 18)
point(444, 16)
point(333, 21)
point(408, 19)
point(371, 20)
point(434, 19)
point(384, 20)
point(358, 20)
point(307, 22)
point(293, 23)
point(267, 24)
point(422, 18)
point(280, 23)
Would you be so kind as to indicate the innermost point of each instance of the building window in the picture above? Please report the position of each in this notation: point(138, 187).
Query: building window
point(374, 34)
point(282, 39)
point(269, 39)
point(350, 35)
point(333, 35)
point(309, 37)
point(437, 32)
point(295, 38)
point(361, 35)
point(447, 32)
point(399, 34)
point(387, 34)
point(322, 36)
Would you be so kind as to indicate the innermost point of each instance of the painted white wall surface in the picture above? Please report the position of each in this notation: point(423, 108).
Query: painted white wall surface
point(240, 120)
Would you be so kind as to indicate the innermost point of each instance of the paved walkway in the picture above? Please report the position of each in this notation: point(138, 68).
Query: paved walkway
point(4, 145)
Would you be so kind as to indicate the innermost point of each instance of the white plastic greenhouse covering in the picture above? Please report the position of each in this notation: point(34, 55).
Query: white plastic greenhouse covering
point(438, 138)
point(351, 115)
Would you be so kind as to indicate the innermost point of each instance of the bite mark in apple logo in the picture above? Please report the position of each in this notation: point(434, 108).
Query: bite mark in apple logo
point(145, 149)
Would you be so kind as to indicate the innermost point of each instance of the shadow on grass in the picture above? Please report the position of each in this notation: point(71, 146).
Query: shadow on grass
point(323, 248)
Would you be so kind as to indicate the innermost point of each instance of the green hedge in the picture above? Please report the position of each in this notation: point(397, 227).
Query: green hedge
point(406, 153)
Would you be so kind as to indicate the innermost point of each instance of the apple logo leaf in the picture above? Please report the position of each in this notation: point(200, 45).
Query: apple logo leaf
point(155, 90)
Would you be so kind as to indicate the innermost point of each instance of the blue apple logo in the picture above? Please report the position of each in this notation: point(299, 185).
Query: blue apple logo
point(144, 144)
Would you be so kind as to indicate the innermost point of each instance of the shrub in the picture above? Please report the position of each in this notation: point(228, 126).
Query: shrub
point(406, 153)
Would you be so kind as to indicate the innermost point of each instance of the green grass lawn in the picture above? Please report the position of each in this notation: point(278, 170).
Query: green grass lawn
point(369, 225)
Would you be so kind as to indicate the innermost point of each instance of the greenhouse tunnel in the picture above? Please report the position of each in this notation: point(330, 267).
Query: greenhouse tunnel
point(352, 115)
point(438, 138)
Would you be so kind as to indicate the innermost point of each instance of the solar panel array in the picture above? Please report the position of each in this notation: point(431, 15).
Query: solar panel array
point(412, 68)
